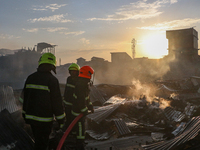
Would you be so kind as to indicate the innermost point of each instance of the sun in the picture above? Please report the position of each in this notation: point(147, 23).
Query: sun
point(155, 46)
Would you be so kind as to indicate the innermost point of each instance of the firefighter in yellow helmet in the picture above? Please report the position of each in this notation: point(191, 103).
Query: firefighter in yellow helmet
point(81, 103)
point(69, 90)
point(42, 101)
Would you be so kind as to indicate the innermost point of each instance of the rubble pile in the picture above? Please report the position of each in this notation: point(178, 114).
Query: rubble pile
point(123, 119)
point(166, 117)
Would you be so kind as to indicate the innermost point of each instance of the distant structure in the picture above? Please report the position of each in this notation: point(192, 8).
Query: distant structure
point(133, 47)
point(46, 48)
point(81, 61)
point(17, 66)
point(97, 59)
point(59, 61)
point(120, 57)
point(183, 43)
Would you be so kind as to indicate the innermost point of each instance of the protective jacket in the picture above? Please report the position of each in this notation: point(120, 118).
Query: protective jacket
point(81, 101)
point(42, 101)
point(69, 90)
point(68, 99)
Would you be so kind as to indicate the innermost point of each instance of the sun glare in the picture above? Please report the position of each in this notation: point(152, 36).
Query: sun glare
point(155, 46)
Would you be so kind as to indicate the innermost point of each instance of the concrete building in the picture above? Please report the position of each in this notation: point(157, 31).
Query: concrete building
point(183, 43)
point(121, 57)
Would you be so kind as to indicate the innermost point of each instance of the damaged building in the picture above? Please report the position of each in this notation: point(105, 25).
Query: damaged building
point(183, 48)
point(16, 67)
point(137, 106)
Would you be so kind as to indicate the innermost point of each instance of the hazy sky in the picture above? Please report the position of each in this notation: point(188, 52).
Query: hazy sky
point(87, 28)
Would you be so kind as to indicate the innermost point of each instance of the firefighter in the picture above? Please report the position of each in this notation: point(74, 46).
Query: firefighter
point(42, 101)
point(69, 90)
point(81, 103)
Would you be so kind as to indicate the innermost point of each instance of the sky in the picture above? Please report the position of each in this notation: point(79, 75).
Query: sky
point(95, 28)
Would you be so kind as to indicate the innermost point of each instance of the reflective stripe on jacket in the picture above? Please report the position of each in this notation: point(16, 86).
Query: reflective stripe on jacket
point(40, 87)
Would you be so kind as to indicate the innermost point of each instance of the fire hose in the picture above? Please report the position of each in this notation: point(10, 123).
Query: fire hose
point(67, 131)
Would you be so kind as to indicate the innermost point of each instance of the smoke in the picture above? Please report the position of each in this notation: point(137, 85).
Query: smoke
point(164, 66)
point(148, 92)
point(174, 96)
point(123, 73)
point(109, 73)
point(163, 103)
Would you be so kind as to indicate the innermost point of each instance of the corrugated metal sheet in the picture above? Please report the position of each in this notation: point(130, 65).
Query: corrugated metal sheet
point(13, 136)
point(189, 131)
point(173, 115)
point(177, 116)
point(167, 88)
point(7, 99)
point(100, 136)
point(189, 110)
point(116, 99)
point(179, 129)
point(96, 96)
point(102, 113)
point(121, 127)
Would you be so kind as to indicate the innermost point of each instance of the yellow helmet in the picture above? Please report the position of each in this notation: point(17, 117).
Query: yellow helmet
point(47, 58)
point(74, 66)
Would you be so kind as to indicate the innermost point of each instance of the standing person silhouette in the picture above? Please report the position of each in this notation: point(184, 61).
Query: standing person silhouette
point(42, 101)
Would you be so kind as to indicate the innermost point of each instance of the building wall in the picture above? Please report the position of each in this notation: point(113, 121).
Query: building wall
point(120, 57)
point(182, 42)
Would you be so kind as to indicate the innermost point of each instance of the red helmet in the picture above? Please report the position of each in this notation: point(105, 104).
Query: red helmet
point(86, 72)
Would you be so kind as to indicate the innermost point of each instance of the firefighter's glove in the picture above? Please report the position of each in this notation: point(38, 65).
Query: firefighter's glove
point(90, 107)
point(91, 111)
point(59, 133)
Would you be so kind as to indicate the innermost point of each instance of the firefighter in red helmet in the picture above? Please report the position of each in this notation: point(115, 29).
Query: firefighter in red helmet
point(81, 103)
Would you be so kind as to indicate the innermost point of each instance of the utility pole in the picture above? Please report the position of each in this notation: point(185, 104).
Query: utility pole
point(59, 61)
point(133, 47)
